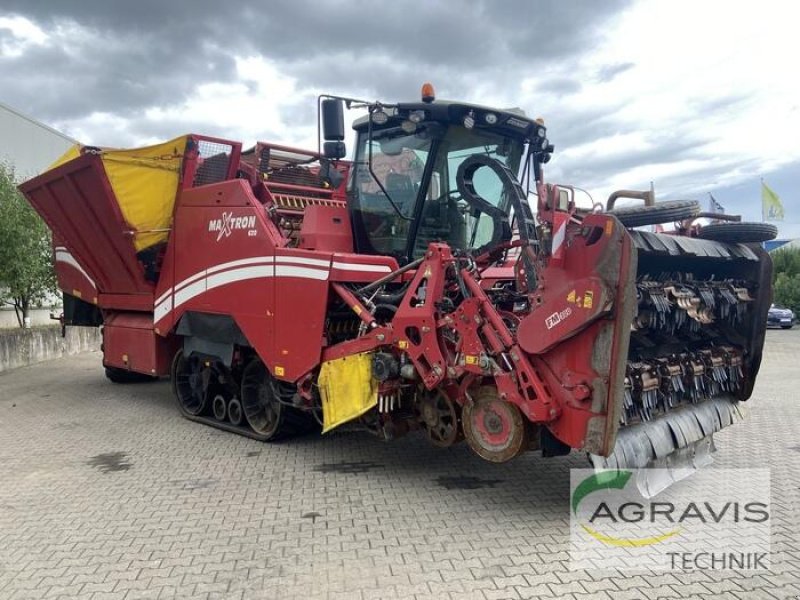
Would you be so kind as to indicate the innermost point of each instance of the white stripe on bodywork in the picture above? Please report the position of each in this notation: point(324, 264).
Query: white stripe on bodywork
point(254, 260)
point(215, 269)
point(558, 238)
point(301, 272)
point(255, 267)
point(215, 280)
point(362, 268)
point(301, 260)
point(63, 256)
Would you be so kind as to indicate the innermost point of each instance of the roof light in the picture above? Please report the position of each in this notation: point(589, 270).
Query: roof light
point(428, 93)
point(490, 118)
point(416, 116)
point(379, 117)
point(408, 126)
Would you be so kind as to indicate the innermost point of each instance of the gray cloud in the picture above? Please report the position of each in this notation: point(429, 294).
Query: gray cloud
point(608, 72)
point(124, 58)
point(559, 86)
point(109, 72)
point(130, 56)
point(661, 148)
point(574, 127)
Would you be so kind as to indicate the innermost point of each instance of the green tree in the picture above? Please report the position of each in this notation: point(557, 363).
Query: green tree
point(26, 267)
point(786, 278)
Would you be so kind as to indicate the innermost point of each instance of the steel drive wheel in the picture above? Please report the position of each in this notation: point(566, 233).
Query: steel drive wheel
point(671, 211)
point(739, 232)
point(190, 380)
point(495, 429)
point(440, 418)
point(260, 403)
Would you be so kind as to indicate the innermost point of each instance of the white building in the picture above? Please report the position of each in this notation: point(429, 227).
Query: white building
point(28, 145)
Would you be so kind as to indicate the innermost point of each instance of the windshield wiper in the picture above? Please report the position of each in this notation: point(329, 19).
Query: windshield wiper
point(378, 181)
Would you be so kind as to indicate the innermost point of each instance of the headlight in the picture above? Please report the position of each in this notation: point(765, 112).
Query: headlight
point(408, 126)
point(490, 118)
point(379, 117)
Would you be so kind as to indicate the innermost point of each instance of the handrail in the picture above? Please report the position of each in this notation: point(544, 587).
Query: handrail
point(649, 197)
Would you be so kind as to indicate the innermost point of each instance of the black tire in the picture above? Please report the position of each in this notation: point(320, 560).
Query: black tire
point(786, 326)
point(741, 233)
point(671, 211)
point(117, 375)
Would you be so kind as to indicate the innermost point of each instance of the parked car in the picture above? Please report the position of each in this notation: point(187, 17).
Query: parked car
point(779, 316)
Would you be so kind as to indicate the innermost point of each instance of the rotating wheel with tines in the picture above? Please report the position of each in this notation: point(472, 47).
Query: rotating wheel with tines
point(261, 405)
point(439, 417)
point(190, 380)
point(495, 429)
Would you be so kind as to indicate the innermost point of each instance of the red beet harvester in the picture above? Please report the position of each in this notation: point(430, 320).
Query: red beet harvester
point(410, 288)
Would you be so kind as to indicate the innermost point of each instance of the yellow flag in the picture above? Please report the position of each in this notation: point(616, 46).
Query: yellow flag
point(771, 206)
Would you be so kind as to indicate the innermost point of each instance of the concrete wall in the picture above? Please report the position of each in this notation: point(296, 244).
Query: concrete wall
point(39, 317)
point(26, 347)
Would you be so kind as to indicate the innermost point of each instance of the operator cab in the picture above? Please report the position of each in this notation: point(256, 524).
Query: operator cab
point(404, 191)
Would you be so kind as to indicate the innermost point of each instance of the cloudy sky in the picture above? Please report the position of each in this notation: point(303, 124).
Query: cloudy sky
point(695, 96)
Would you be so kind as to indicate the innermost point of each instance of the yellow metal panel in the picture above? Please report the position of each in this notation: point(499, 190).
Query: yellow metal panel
point(347, 388)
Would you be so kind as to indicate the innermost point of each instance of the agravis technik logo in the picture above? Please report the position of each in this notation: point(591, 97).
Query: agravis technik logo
point(606, 480)
point(716, 519)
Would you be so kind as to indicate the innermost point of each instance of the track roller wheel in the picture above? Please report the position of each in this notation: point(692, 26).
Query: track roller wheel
point(260, 402)
point(190, 379)
point(219, 407)
point(235, 411)
point(495, 429)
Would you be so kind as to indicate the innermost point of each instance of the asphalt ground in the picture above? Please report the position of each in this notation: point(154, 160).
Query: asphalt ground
point(106, 492)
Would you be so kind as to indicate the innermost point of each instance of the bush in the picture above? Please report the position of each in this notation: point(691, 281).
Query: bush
point(786, 278)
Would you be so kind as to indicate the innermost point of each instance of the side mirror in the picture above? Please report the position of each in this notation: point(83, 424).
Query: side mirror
point(333, 128)
point(332, 120)
point(334, 150)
